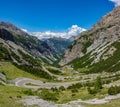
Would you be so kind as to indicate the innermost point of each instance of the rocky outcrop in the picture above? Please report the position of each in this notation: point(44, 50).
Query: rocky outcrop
point(71, 54)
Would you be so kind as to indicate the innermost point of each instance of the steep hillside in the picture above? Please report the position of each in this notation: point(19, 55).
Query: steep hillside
point(97, 50)
point(32, 45)
point(24, 51)
point(59, 45)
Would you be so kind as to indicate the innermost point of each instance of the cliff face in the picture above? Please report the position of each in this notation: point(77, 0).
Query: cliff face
point(97, 42)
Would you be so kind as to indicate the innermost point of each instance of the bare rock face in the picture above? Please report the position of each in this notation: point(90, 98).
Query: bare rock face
point(106, 31)
point(71, 54)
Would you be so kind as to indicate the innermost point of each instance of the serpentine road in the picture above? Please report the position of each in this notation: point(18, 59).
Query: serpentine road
point(22, 82)
point(35, 84)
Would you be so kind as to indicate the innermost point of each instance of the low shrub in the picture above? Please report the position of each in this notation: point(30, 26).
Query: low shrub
point(114, 90)
point(28, 92)
point(48, 95)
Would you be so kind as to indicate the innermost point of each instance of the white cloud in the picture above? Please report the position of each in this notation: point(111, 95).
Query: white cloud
point(73, 31)
point(25, 30)
point(117, 2)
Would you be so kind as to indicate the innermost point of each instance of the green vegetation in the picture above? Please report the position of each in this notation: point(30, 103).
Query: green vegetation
point(111, 64)
point(48, 95)
point(82, 93)
point(9, 96)
point(12, 72)
point(45, 94)
point(54, 71)
point(35, 71)
point(31, 60)
point(81, 63)
point(98, 83)
point(33, 66)
point(97, 86)
point(16, 57)
point(30, 84)
point(4, 53)
point(76, 86)
point(114, 90)
point(83, 70)
point(28, 92)
point(71, 46)
point(62, 95)
point(61, 88)
point(25, 40)
point(86, 45)
point(56, 63)
point(19, 39)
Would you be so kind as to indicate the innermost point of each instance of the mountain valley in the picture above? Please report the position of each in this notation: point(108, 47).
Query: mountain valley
point(59, 72)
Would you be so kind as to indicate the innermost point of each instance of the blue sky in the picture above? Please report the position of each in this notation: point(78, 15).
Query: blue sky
point(53, 15)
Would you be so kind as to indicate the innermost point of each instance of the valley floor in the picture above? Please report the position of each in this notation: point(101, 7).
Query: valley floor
point(24, 90)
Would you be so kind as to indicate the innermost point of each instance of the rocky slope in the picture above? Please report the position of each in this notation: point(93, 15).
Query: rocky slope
point(25, 51)
point(98, 46)
point(35, 47)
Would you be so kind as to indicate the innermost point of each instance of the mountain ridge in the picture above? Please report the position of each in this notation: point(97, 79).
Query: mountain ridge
point(31, 44)
point(96, 44)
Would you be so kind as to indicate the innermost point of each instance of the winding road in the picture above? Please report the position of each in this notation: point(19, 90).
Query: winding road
point(35, 84)
point(22, 82)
